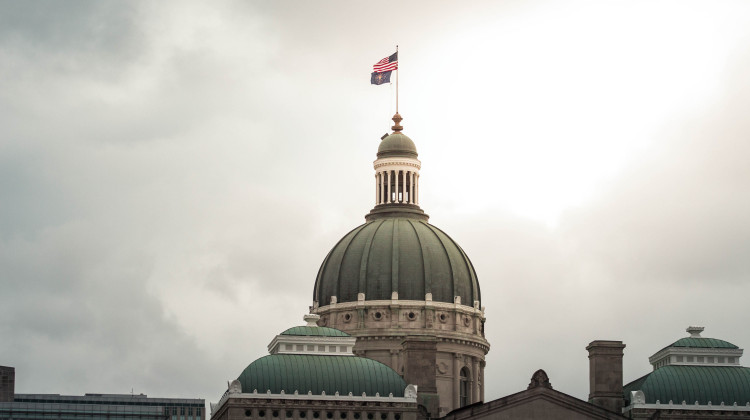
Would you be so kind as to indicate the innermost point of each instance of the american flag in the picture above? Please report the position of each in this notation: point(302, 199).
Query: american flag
point(387, 64)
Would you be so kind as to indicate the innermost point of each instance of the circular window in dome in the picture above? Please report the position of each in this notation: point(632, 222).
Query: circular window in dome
point(288, 413)
point(316, 414)
point(467, 321)
point(411, 315)
point(329, 415)
point(384, 416)
point(275, 413)
point(343, 415)
point(443, 318)
point(248, 413)
point(377, 315)
point(347, 317)
point(302, 414)
point(356, 415)
point(261, 413)
point(369, 416)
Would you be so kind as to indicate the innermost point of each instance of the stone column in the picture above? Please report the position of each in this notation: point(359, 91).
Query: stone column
point(403, 195)
point(482, 363)
point(377, 188)
point(382, 185)
point(475, 379)
point(417, 193)
point(395, 178)
point(394, 360)
point(411, 192)
point(388, 181)
point(457, 380)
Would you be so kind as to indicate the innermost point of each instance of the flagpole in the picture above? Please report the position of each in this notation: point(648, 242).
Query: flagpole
point(397, 80)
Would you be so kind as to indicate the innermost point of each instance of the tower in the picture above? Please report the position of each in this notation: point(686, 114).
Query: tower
point(406, 290)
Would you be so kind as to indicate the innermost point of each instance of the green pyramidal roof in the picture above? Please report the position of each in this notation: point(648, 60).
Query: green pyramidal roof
point(329, 374)
point(315, 331)
point(717, 384)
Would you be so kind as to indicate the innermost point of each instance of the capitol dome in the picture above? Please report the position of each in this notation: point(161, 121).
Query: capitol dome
point(405, 291)
point(397, 254)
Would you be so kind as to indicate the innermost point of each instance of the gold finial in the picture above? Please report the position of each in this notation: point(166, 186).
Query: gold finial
point(397, 119)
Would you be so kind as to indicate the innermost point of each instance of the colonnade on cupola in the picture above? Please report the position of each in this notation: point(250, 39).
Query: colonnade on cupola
point(396, 182)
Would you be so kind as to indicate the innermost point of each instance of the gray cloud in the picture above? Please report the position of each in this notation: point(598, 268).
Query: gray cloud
point(171, 178)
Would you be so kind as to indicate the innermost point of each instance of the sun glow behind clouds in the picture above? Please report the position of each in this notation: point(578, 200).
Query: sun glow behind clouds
point(561, 101)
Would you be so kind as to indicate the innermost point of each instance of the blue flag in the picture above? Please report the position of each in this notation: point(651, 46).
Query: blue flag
point(380, 78)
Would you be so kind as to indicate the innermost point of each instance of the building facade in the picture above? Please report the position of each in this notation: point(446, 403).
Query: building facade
point(102, 406)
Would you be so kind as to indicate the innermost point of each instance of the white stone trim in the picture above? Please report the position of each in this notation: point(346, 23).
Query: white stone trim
point(404, 304)
point(685, 406)
point(669, 356)
point(276, 346)
point(410, 397)
point(397, 161)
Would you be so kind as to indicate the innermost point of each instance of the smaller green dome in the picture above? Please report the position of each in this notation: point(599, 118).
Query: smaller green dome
point(717, 384)
point(318, 374)
point(315, 331)
point(703, 343)
point(397, 145)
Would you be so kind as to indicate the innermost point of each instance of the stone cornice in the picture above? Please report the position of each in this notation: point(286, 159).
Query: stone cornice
point(405, 304)
point(415, 163)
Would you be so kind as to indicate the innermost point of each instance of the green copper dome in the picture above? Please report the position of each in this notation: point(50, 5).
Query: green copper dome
point(704, 343)
point(315, 331)
point(329, 374)
point(717, 384)
point(396, 254)
point(397, 145)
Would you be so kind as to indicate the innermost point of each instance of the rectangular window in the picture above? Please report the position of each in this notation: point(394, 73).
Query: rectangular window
point(722, 359)
point(332, 349)
point(690, 359)
point(342, 349)
point(321, 348)
point(310, 347)
point(700, 359)
point(300, 347)
point(288, 347)
point(730, 359)
point(679, 358)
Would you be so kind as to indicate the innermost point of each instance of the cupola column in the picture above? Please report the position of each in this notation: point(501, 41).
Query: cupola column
point(379, 190)
point(404, 195)
point(416, 185)
point(395, 199)
point(388, 182)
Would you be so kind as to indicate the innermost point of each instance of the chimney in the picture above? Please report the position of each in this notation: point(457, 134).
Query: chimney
point(605, 374)
point(7, 383)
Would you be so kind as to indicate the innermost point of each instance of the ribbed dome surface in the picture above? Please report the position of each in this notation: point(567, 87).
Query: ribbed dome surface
point(329, 374)
point(306, 331)
point(399, 254)
point(396, 145)
point(717, 384)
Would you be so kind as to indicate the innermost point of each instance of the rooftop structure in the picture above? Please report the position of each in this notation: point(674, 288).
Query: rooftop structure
point(312, 372)
point(693, 374)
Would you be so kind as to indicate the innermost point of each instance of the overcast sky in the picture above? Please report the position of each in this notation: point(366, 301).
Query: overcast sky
point(172, 174)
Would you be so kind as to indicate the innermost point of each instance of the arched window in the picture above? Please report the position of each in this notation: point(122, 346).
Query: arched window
point(464, 387)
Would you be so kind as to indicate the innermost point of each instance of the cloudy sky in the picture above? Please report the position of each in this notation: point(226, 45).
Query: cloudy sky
point(172, 175)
